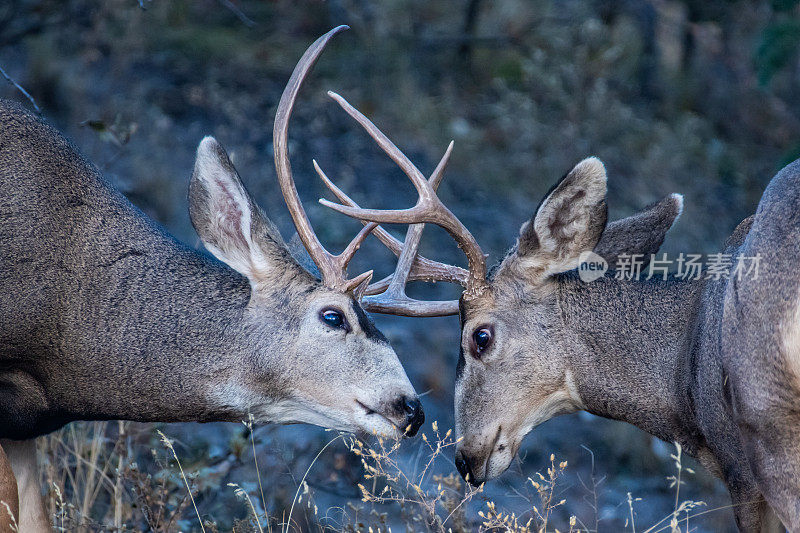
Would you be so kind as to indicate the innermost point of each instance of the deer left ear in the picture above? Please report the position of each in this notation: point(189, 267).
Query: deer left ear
point(568, 222)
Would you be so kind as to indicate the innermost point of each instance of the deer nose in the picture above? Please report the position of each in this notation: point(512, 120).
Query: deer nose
point(414, 415)
point(464, 468)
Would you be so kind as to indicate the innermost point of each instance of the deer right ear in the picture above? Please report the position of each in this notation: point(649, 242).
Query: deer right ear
point(230, 224)
point(568, 222)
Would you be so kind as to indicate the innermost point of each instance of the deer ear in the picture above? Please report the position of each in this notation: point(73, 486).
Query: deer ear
point(642, 233)
point(568, 222)
point(230, 224)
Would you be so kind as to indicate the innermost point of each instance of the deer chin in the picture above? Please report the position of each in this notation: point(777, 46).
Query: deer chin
point(505, 443)
point(352, 416)
point(295, 411)
point(501, 452)
point(372, 422)
point(359, 419)
point(498, 461)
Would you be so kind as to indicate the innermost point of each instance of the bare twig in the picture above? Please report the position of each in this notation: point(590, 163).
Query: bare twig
point(21, 89)
point(297, 492)
point(168, 444)
point(593, 503)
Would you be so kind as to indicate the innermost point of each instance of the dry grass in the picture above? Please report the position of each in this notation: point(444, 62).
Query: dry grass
point(95, 484)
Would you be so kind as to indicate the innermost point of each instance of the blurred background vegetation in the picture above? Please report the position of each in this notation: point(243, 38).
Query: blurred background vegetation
point(690, 96)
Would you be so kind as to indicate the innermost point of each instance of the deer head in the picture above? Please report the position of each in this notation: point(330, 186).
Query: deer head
point(514, 370)
point(338, 369)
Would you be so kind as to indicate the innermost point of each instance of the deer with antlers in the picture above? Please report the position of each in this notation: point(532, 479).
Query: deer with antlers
point(103, 315)
point(710, 363)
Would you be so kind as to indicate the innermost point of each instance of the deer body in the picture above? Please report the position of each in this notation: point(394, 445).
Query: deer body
point(81, 337)
point(661, 369)
point(712, 363)
point(103, 315)
point(761, 355)
point(707, 363)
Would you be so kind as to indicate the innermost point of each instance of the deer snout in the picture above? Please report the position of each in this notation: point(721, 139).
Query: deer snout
point(484, 457)
point(464, 467)
point(414, 416)
point(401, 411)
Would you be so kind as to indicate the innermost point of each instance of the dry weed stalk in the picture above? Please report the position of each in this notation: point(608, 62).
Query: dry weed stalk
point(423, 496)
point(168, 444)
point(95, 487)
point(545, 487)
point(681, 507)
point(4, 507)
point(82, 461)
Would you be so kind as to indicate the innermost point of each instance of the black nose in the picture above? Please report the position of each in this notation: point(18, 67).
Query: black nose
point(415, 416)
point(464, 468)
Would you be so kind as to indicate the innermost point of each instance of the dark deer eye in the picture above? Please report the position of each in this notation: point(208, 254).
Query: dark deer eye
point(482, 338)
point(334, 318)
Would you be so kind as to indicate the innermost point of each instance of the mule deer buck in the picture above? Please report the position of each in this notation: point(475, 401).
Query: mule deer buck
point(103, 315)
point(713, 364)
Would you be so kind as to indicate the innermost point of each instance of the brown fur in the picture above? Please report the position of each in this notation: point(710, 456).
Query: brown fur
point(760, 356)
point(32, 516)
point(103, 315)
point(9, 500)
point(711, 364)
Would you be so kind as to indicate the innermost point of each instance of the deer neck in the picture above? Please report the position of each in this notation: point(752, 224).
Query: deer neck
point(175, 343)
point(633, 340)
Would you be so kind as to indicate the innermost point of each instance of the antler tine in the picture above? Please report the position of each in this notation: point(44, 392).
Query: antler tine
point(409, 266)
point(428, 208)
point(410, 307)
point(384, 236)
point(423, 269)
point(405, 164)
point(351, 249)
point(395, 298)
point(414, 234)
point(333, 268)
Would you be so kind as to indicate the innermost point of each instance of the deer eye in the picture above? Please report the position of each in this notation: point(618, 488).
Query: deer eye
point(334, 318)
point(482, 339)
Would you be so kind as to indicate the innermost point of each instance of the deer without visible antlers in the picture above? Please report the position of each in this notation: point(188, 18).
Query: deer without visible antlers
point(713, 364)
point(105, 316)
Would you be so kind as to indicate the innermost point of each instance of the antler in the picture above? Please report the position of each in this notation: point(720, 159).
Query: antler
point(423, 269)
point(428, 208)
point(388, 295)
point(333, 268)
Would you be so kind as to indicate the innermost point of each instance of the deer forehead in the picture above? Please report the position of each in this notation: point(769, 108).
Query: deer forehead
point(514, 302)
